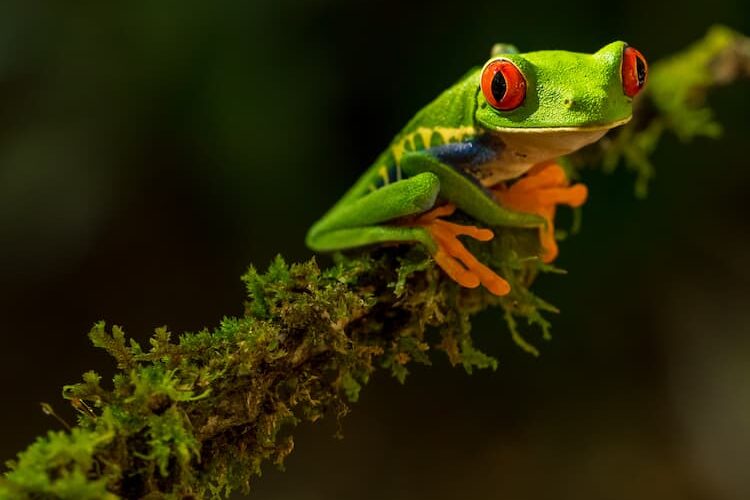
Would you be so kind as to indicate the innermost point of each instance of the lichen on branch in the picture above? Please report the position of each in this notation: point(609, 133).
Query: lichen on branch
point(198, 414)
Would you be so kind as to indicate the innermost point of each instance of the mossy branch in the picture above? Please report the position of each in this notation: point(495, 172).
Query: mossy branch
point(197, 415)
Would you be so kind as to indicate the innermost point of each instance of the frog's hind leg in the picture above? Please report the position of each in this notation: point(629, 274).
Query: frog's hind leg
point(391, 214)
point(354, 237)
point(399, 199)
point(439, 237)
point(418, 233)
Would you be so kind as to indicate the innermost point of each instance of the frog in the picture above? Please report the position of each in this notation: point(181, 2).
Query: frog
point(490, 147)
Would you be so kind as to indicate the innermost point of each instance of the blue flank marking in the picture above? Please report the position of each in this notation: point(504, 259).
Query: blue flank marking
point(463, 155)
point(459, 155)
point(468, 154)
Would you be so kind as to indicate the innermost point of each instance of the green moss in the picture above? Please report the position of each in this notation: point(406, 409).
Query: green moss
point(197, 415)
point(60, 465)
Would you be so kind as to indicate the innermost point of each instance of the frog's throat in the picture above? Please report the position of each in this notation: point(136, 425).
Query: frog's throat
point(522, 148)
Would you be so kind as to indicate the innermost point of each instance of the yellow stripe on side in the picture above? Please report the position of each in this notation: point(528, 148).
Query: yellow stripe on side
point(448, 134)
point(383, 173)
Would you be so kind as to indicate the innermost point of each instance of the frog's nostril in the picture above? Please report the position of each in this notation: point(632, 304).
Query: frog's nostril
point(571, 101)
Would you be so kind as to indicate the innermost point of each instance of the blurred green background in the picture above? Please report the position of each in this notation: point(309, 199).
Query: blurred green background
point(150, 151)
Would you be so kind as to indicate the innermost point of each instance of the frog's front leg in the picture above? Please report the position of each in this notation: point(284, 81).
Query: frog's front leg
point(539, 192)
point(466, 194)
point(529, 202)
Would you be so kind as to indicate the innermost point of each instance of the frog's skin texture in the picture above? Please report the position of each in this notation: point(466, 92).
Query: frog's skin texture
point(462, 152)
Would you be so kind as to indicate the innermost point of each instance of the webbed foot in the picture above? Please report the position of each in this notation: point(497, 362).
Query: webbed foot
point(543, 188)
point(453, 257)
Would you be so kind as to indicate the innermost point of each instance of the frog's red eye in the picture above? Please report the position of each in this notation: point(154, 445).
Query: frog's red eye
point(503, 85)
point(634, 71)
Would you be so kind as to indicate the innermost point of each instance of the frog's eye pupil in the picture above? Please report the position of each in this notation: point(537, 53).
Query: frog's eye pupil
point(499, 86)
point(503, 85)
point(641, 70)
point(634, 71)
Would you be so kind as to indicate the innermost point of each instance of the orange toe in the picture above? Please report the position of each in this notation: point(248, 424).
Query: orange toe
point(480, 234)
point(441, 211)
point(543, 188)
point(541, 176)
point(573, 196)
point(454, 258)
point(455, 270)
point(549, 244)
point(487, 277)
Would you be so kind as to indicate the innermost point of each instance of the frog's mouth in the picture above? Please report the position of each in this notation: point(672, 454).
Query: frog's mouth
point(519, 149)
point(547, 130)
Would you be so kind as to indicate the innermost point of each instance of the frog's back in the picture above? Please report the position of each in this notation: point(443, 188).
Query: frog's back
point(447, 119)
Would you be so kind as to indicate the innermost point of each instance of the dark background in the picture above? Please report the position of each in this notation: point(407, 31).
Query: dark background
point(150, 151)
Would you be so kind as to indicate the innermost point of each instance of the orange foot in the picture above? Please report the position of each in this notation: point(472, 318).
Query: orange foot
point(454, 258)
point(543, 188)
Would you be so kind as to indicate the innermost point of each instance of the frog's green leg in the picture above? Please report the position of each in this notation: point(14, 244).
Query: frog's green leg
point(353, 237)
point(439, 238)
point(361, 223)
point(398, 199)
point(466, 195)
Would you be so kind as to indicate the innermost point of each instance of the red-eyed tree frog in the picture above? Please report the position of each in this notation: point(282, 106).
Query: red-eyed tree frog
point(488, 146)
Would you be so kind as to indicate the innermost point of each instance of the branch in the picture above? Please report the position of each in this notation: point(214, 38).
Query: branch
point(197, 415)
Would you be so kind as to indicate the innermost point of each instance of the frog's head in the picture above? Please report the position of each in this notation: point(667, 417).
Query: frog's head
point(565, 91)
